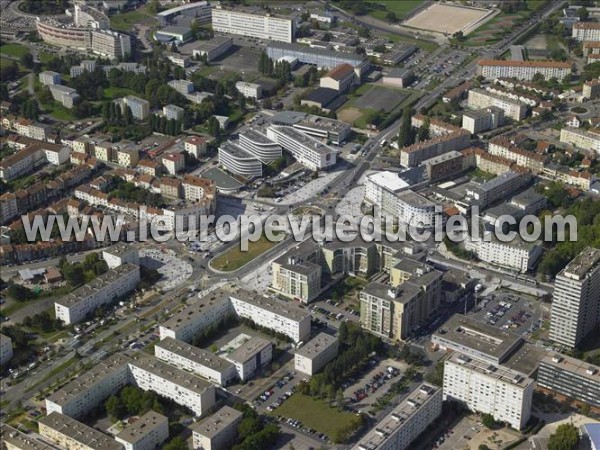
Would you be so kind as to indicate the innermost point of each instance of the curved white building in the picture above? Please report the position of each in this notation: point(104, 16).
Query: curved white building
point(259, 145)
point(239, 161)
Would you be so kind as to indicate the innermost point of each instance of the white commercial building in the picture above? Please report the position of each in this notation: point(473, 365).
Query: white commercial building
point(316, 353)
point(522, 70)
point(83, 301)
point(259, 145)
point(144, 433)
point(282, 317)
point(250, 357)
point(238, 161)
point(249, 90)
point(489, 389)
point(307, 150)
point(381, 189)
point(259, 26)
point(218, 431)
point(415, 210)
point(406, 422)
point(120, 254)
point(6, 350)
point(515, 109)
point(515, 254)
point(576, 301)
point(187, 357)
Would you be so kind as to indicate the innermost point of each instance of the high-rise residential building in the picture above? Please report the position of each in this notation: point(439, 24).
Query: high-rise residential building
point(48, 77)
point(591, 89)
point(218, 431)
point(140, 108)
point(516, 254)
point(249, 90)
point(111, 44)
point(406, 422)
point(250, 357)
point(6, 350)
point(173, 112)
point(479, 98)
point(316, 353)
point(121, 253)
point(487, 388)
point(295, 278)
point(586, 31)
point(522, 70)
point(483, 119)
point(64, 95)
point(576, 302)
point(259, 26)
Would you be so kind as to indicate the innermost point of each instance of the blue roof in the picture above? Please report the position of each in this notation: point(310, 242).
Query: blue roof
point(593, 432)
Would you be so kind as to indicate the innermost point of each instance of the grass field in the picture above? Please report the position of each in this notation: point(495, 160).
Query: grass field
point(315, 414)
point(15, 50)
point(113, 93)
point(401, 8)
point(234, 258)
point(126, 21)
point(425, 45)
point(45, 58)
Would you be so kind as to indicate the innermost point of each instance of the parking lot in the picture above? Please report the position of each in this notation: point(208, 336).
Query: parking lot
point(509, 312)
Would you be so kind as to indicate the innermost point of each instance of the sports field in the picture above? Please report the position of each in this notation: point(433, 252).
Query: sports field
point(449, 19)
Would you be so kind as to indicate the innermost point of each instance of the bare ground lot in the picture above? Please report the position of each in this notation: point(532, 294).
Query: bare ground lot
point(379, 98)
point(349, 115)
point(448, 18)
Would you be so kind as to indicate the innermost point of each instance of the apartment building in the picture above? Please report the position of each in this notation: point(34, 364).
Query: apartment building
point(522, 70)
point(591, 89)
point(48, 78)
point(591, 48)
point(483, 119)
point(173, 112)
point(307, 150)
point(212, 48)
point(586, 31)
point(406, 422)
point(506, 148)
point(259, 146)
point(77, 305)
point(185, 389)
point(479, 98)
point(322, 58)
point(576, 304)
point(476, 339)
point(128, 156)
point(486, 388)
point(249, 90)
point(184, 87)
point(515, 254)
point(6, 350)
point(250, 357)
point(587, 140)
point(64, 95)
point(415, 154)
point(22, 162)
point(502, 186)
point(381, 189)
point(443, 167)
point(238, 161)
point(140, 108)
point(415, 210)
point(147, 432)
point(120, 254)
point(218, 431)
point(193, 359)
point(340, 78)
point(316, 354)
point(285, 318)
point(295, 278)
point(253, 25)
point(195, 145)
point(571, 378)
point(173, 162)
point(111, 44)
point(69, 433)
point(14, 439)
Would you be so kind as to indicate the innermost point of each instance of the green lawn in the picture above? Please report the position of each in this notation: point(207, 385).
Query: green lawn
point(400, 7)
point(59, 112)
point(45, 58)
point(126, 21)
point(234, 258)
point(15, 50)
point(113, 93)
point(315, 414)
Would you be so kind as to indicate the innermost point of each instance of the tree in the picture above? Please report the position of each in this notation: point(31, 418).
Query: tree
point(213, 126)
point(538, 78)
point(27, 60)
point(565, 437)
point(20, 293)
point(153, 7)
point(488, 420)
point(115, 408)
point(484, 447)
point(176, 444)
point(327, 37)
point(423, 133)
point(391, 17)
point(583, 14)
point(405, 133)
point(459, 36)
point(364, 32)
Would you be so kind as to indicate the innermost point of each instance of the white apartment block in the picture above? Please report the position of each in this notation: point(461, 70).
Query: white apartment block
point(183, 388)
point(140, 108)
point(381, 189)
point(487, 388)
point(516, 254)
point(591, 89)
point(316, 353)
point(182, 86)
point(218, 431)
point(406, 422)
point(478, 99)
point(48, 77)
point(146, 433)
point(6, 350)
point(173, 162)
point(65, 95)
point(187, 357)
point(586, 31)
point(249, 90)
point(483, 119)
point(111, 44)
point(285, 318)
point(77, 305)
point(195, 145)
point(57, 156)
point(587, 140)
point(120, 254)
point(296, 279)
point(173, 112)
point(250, 357)
point(66, 432)
point(415, 210)
point(128, 157)
point(307, 150)
point(522, 70)
point(506, 149)
point(576, 303)
point(253, 25)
